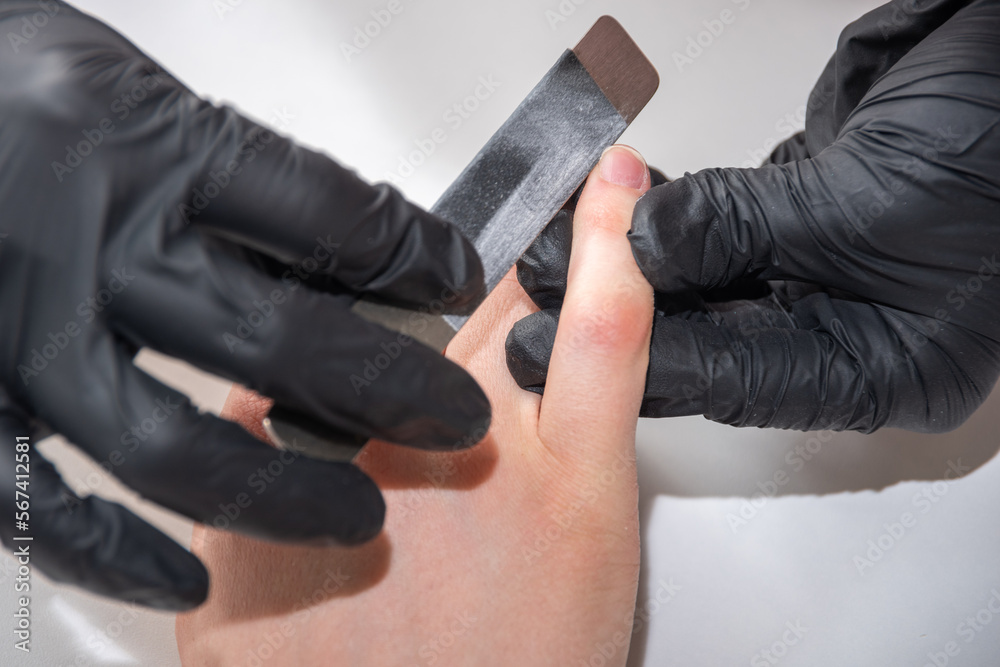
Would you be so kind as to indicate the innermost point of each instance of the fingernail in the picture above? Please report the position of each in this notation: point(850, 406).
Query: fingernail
point(624, 166)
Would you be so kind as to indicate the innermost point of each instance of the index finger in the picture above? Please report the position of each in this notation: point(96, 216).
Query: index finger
point(303, 208)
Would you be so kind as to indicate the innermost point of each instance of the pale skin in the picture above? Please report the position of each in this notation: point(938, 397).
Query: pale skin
point(523, 550)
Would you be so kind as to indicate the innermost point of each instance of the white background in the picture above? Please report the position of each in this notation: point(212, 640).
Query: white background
point(737, 586)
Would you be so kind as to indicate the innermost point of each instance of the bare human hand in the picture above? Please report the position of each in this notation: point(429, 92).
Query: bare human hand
point(522, 550)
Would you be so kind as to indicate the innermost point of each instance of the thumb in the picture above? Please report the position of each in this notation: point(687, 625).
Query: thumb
point(601, 351)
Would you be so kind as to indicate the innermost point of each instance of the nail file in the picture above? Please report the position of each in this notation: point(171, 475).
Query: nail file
point(511, 190)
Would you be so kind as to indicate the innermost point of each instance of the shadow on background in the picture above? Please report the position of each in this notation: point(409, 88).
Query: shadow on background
point(692, 457)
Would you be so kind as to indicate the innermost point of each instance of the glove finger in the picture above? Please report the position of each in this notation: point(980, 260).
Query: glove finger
point(529, 348)
point(863, 216)
point(215, 167)
point(542, 270)
point(210, 165)
point(820, 363)
point(203, 467)
point(707, 230)
point(846, 365)
point(795, 221)
point(89, 542)
point(303, 208)
point(298, 346)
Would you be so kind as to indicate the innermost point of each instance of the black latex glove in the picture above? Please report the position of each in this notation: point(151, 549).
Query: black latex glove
point(129, 209)
point(882, 221)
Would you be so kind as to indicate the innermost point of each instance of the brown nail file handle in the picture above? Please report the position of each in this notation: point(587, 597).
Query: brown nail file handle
point(512, 189)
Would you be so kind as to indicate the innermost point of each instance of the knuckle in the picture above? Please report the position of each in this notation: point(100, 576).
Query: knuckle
point(619, 323)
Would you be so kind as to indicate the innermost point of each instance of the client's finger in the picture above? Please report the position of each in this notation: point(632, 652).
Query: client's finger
point(248, 409)
point(598, 367)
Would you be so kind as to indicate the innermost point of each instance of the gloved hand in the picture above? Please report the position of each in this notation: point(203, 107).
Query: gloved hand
point(854, 282)
point(136, 214)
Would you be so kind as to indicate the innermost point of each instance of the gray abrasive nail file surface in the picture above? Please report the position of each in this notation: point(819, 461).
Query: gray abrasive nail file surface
point(512, 189)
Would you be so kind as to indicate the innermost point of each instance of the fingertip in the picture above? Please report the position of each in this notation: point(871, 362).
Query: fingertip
point(409, 256)
point(707, 230)
point(624, 166)
point(466, 276)
point(188, 591)
point(110, 551)
point(529, 348)
point(370, 508)
point(450, 413)
point(676, 240)
point(321, 503)
point(472, 417)
point(454, 274)
point(644, 241)
point(609, 196)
